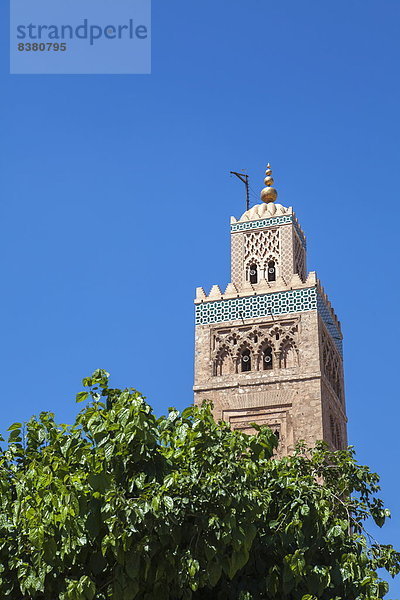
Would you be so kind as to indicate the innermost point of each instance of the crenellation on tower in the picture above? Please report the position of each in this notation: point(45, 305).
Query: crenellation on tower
point(269, 348)
point(280, 285)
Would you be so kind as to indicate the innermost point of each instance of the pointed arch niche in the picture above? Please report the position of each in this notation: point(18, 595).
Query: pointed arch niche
point(266, 362)
point(245, 360)
point(224, 364)
point(288, 355)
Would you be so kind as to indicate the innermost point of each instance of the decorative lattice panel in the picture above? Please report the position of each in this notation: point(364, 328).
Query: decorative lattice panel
point(287, 253)
point(262, 244)
point(237, 259)
point(299, 258)
point(262, 223)
point(332, 365)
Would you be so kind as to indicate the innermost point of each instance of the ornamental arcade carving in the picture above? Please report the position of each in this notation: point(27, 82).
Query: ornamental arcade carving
point(257, 348)
point(332, 364)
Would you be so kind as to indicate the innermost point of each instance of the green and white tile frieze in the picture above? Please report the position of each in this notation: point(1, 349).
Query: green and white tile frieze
point(261, 223)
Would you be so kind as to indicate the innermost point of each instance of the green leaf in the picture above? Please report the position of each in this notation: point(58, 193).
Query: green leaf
point(99, 482)
point(15, 426)
point(94, 521)
point(168, 502)
point(250, 534)
point(109, 450)
point(81, 396)
point(214, 572)
point(335, 531)
point(15, 436)
point(49, 549)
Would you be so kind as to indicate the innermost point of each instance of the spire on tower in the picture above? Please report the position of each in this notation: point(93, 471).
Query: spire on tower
point(269, 193)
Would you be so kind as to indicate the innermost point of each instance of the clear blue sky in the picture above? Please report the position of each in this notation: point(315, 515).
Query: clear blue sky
point(116, 198)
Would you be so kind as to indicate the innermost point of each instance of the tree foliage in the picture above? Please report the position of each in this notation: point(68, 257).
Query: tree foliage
point(122, 505)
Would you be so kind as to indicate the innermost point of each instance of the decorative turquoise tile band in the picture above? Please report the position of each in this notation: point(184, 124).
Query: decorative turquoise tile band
point(262, 305)
point(261, 223)
point(326, 316)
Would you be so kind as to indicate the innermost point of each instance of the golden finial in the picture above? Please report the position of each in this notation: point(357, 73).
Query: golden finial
point(269, 193)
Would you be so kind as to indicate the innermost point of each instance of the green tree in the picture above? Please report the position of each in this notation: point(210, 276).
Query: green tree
point(122, 505)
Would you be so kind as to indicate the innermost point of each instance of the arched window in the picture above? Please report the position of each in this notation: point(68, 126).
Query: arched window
point(288, 356)
point(253, 274)
point(245, 361)
point(271, 271)
point(224, 364)
point(338, 387)
point(267, 359)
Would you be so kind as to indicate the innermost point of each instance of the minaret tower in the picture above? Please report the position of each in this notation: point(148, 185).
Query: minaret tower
point(269, 348)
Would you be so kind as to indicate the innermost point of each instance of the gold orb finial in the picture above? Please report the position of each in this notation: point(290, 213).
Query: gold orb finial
point(269, 193)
